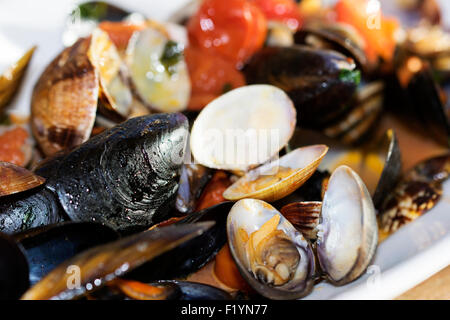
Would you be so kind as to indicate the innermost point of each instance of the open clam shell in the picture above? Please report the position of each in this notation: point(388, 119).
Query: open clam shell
point(348, 231)
point(158, 70)
point(15, 179)
point(115, 94)
point(64, 100)
point(11, 78)
point(250, 215)
point(245, 127)
point(279, 178)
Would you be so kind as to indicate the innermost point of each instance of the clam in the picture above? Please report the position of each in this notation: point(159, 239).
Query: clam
point(102, 264)
point(11, 78)
point(347, 233)
point(64, 100)
point(271, 255)
point(279, 178)
point(158, 70)
point(16, 179)
point(245, 127)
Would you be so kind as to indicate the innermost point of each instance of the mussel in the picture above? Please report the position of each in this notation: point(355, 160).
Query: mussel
point(93, 268)
point(319, 82)
point(125, 177)
point(48, 246)
point(415, 194)
point(13, 269)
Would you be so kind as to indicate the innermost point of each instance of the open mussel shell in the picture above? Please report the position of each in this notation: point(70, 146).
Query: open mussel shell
point(279, 178)
point(193, 180)
point(48, 246)
point(11, 78)
point(13, 269)
point(340, 37)
point(102, 264)
point(355, 125)
point(392, 168)
point(64, 101)
point(192, 255)
point(16, 179)
point(285, 246)
point(348, 231)
point(245, 127)
point(422, 98)
point(416, 193)
point(158, 71)
point(319, 82)
point(115, 95)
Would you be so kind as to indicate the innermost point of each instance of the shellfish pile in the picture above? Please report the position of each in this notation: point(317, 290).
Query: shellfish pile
point(154, 175)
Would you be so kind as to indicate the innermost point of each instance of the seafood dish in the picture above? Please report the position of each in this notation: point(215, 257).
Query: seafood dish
point(239, 149)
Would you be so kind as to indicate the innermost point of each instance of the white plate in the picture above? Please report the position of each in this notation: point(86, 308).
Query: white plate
point(405, 259)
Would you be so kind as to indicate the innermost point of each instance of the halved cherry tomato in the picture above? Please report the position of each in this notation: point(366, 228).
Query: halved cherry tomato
point(12, 143)
point(210, 76)
point(378, 31)
point(234, 29)
point(226, 271)
point(120, 32)
point(212, 194)
point(285, 11)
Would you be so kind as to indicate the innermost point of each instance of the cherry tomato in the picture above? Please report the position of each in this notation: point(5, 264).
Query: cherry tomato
point(285, 11)
point(234, 29)
point(11, 146)
point(120, 32)
point(226, 271)
point(212, 194)
point(378, 31)
point(210, 76)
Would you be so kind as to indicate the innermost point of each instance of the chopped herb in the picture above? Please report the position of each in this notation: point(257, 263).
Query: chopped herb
point(350, 76)
point(171, 55)
point(92, 10)
point(28, 219)
point(5, 120)
point(227, 87)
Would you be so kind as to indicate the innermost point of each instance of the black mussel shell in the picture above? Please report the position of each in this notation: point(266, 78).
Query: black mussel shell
point(321, 83)
point(193, 180)
point(335, 37)
point(191, 255)
point(125, 177)
point(48, 246)
point(92, 269)
point(13, 269)
point(198, 291)
point(29, 209)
